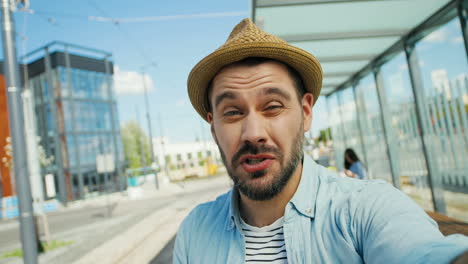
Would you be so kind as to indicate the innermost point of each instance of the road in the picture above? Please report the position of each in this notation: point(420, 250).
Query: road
point(90, 226)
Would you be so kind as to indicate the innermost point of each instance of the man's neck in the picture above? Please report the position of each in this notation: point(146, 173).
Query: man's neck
point(263, 213)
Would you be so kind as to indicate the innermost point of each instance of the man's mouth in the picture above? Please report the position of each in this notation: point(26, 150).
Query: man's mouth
point(253, 163)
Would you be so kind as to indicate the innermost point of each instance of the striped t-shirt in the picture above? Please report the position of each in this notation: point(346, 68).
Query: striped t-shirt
point(264, 244)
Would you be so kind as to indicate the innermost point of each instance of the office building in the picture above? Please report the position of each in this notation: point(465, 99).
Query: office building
point(76, 120)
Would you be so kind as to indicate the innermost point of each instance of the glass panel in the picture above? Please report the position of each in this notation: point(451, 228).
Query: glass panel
point(372, 129)
point(45, 87)
point(62, 77)
point(50, 124)
point(443, 71)
point(406, 135)
point(76, 83)
point(95, 147)
point(350, 122)
point(102, 85)
point(71, 150)
point(67, 117)
point(337, 130)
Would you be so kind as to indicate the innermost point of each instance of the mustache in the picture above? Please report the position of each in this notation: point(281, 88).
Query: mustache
point(249, 148)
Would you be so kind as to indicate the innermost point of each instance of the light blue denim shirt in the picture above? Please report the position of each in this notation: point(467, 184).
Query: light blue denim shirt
point(330, 219)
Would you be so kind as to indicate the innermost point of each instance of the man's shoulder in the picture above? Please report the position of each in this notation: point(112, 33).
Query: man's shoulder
point(345, 188)
point(210, 213)
point(367, 197)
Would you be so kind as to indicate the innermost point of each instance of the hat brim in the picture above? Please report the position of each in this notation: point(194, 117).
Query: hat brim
point(201, 75)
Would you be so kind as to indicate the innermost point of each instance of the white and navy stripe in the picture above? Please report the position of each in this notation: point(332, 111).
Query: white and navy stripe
point(264, 244)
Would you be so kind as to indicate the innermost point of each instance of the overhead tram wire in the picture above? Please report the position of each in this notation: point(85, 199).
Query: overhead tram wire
point(50, 17)
point(136, 43)
point(113, 20)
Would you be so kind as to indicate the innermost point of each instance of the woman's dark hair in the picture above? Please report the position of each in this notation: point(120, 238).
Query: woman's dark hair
point(352, 155)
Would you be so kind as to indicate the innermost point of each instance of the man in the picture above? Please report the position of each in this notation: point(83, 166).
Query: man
point(257, 93)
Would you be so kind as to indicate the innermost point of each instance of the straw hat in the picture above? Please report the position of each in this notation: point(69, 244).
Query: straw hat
point(247, 40)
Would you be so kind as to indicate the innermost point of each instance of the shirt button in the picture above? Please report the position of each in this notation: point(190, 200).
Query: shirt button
point(308, 211)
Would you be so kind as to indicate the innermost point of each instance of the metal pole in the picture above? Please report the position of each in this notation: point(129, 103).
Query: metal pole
point(387, 129)
point(142, 147)
point(462, 15)
point(253, 9)
point(150, 130)
point(163, 148)
point(15, 112)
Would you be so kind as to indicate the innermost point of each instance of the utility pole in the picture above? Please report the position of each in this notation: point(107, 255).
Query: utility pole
point(163, 148)
point(15, 112)
point(150, 130)
point(142, 147)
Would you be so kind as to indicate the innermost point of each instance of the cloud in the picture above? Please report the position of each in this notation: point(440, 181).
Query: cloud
point(457, 40)
point(131, 82)
point(436, 36)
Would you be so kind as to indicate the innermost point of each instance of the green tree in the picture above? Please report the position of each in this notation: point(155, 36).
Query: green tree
point(135, 142)
point(325, 135)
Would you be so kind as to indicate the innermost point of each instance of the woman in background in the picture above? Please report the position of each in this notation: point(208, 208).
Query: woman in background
point(353, 166)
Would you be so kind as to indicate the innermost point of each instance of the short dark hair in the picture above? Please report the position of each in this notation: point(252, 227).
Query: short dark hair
point(254, 61)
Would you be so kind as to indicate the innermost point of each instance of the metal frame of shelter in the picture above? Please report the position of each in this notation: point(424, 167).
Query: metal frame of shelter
point(437, 117)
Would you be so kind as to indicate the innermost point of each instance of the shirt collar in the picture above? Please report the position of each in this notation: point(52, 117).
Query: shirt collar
point(303, 200)
point(234, 217)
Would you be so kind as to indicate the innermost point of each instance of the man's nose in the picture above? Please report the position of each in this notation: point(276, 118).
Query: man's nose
point(254, 130)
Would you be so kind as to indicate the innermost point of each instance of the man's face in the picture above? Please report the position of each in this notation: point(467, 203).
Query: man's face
point(258, 123)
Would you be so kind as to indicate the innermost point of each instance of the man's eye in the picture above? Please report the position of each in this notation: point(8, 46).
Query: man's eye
point(273, 107)
point(232, 113)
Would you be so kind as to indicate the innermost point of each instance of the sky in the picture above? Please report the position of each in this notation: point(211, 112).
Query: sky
point(165, 39)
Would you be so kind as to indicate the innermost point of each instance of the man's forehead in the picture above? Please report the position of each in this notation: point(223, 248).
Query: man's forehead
point(246, 70)
point(240, 74)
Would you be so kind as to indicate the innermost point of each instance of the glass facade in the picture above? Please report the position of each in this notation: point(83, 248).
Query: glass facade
point(83, 121)
point(408, 118)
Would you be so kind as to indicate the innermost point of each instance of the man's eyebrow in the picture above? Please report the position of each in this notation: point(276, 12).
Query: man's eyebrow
point(277, 91)
point(224, 95)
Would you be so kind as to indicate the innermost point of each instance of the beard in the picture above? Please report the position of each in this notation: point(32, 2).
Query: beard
point(279, 180)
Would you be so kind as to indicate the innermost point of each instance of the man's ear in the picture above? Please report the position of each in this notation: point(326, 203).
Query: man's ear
point(307, 104)
point(209, 116)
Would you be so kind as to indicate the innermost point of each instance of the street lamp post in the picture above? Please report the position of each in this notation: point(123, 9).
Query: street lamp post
point(15, 111)
point(150, 130)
